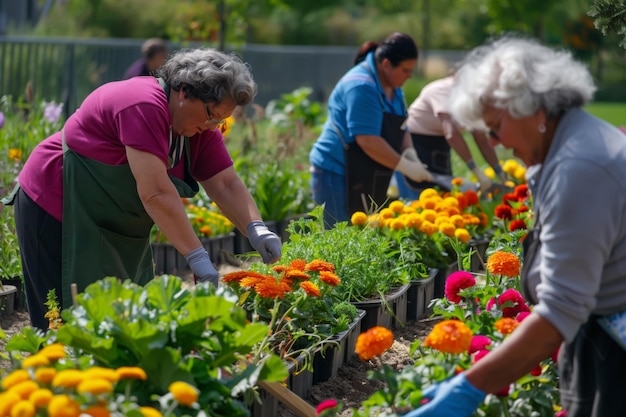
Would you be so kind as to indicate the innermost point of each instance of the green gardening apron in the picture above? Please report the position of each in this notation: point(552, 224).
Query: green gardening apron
point(105, 228)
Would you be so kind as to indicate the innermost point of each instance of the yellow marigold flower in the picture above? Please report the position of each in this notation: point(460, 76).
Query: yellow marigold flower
point(429, 215)
point(95, 386)
point(15, 154)
point(510, 166)
point(506, 325)
point(63, 406)
point(45, 375)
point(449, 336)
point(150, 412)
point(441, 218)
point(101, 373)
point(428, 228)
point(7, 401)
point(414, 220)
point(450, 202)
point(297, 274)
point(396, 206)
point(373, 342)
point(457, 220)
point(34, 361)
point(14, 378)
point(23, 409)
point(396, 224)
point(429, 204)
point(25, 388)
point(490, 173)
point(447, 229)
point(457, 181)
point(504, 263)
point(428, 193)
point(68, 378)
point(298, 264)
point(408, 210)
point(453, 211)
point(387, 213)
point(131, 372)
point(462, 234)
point(416, 205)
point(520, 173)
point(41, 397)
point(319, 265)
point(184, 393)
point(330, 278)
point(310, 288)
point(270, 288)
point(97, 411)
point(53, 352)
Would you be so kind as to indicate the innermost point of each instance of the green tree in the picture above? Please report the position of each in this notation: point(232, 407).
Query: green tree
point(610, 17)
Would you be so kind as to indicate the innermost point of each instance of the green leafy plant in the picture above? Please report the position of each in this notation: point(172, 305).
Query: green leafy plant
point(198, 336)
point(10, 259)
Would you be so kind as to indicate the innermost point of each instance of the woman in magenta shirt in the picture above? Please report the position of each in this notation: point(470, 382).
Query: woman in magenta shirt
point(89, 195)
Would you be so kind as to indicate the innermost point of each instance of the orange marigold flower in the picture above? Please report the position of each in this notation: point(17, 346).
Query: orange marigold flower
point(68, 378)
point(150, 412)
point(280, 268)
point(131, 372)
point(252, 280)
point(457, 220)
point(447, 228)
point(484, 219)
point(184, 393)
point(387, 213)
point(373, 342)
point(413, 220)
point(298, 264)
point(237, 276)
point(396, 206)
point(358, 218)
point(506, 325)
point(310, 288)
point(319, 265)
point(97, 411)
point(7, 400)
point(330, 278)
point(504, 263)
point(102, 373)
point(457, 181)
point(270, 288)
point(297, 274)
point(450, 336)
point(25, 388)
point(206, 230)
point(95, 386)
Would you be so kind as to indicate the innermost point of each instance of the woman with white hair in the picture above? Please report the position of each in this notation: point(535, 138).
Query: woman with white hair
point(89, 195)
point(530, 99)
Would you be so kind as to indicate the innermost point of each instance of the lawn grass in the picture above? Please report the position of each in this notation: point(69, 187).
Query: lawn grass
point(614, 113)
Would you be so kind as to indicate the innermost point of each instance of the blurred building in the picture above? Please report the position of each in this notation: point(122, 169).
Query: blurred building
point(16, 14)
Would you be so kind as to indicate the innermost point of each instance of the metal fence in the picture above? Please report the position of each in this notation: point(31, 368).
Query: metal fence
point(67, 70)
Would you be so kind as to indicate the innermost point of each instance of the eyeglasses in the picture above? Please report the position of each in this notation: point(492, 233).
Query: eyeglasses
point(210, 120)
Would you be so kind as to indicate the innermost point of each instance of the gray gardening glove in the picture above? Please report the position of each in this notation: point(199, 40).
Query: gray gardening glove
point(264, 241)
point(201, 266)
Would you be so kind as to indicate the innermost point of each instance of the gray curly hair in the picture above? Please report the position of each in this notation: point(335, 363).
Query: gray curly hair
point(521, 76)
point(209, 75)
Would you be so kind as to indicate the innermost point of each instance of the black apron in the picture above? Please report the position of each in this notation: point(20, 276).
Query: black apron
point(434, 152)
point(367, 181)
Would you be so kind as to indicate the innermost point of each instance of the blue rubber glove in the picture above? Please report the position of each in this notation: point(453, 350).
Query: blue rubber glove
point(264, 241)
point(201, 266)
point(455, 397)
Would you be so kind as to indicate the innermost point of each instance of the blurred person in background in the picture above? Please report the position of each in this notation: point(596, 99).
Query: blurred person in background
point(154, 54)
point(364, 138)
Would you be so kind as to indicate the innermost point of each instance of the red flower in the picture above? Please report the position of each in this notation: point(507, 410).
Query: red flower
point(509, 197)
point(472, 197)
point(521, 192)
point(478, 343)
point(325, 405)
point(510, 295)
point(502, 211)
point(457, 281)
point(517, 224)
point(536, 371)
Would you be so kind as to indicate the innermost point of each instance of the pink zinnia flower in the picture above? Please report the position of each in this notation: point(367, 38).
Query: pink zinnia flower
point(325, 405)
point(519, 304)
point(563, 413)
point(478, 343)
point(456, 282)
point(521, 316)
